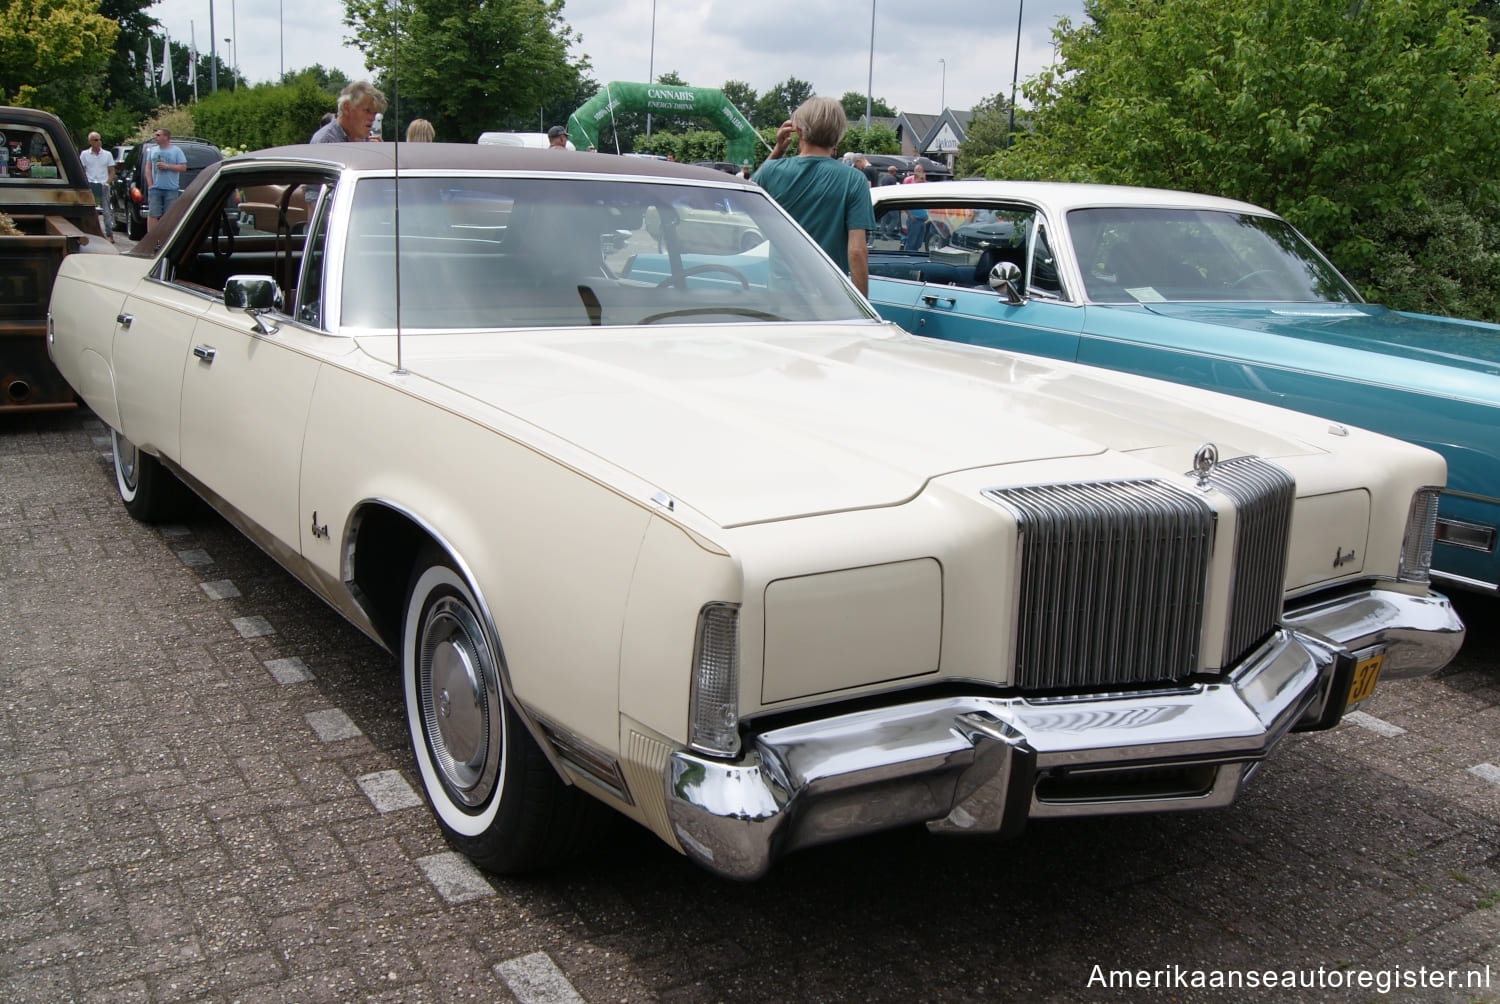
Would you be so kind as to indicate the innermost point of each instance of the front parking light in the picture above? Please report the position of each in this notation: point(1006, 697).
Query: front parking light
point(713, 711)
point(1416, 546)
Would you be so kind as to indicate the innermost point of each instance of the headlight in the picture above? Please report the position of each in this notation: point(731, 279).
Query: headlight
point(1416, 548)
point(714, 711)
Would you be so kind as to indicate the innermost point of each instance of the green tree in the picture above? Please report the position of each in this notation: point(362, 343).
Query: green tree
point(54, 55)
point(743, 96)
point(466, 64)
point(854, 107)
point(329, 81)
point(127, 94)
point(987, 133)
point(775, 106)
point(876, 139)
point(1335, 115)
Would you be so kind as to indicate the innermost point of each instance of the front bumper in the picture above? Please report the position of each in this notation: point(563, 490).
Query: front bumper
point(977, 764)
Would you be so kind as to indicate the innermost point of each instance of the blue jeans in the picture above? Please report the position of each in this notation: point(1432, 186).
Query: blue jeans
point(159, 200)
point(101, 199)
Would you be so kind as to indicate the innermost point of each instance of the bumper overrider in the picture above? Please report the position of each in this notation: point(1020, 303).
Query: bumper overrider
point(985, 765)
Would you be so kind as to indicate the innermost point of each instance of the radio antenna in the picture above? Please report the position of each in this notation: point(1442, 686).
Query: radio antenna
point(396, 165)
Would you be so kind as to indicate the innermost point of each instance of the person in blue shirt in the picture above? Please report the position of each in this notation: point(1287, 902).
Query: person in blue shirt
point(163, 165)
point(828, 197)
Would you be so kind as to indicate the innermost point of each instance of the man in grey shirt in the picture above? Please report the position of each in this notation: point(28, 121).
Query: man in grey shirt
point(359, 104)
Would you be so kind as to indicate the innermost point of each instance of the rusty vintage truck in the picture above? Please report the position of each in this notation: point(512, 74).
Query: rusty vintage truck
point(46, 212)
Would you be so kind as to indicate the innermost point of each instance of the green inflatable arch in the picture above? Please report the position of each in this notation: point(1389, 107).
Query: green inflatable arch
point(585, 124)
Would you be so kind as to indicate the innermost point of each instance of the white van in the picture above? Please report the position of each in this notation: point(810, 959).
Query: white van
point(537, 140)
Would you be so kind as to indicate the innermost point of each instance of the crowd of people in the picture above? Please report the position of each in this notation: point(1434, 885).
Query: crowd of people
point(829, 198)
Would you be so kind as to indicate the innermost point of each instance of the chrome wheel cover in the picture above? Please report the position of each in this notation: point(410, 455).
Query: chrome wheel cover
point(458, 696)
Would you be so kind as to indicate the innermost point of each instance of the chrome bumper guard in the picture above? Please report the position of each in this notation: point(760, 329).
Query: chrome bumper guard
point(985, 765)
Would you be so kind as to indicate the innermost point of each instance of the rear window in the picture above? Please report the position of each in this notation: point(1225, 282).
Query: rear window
point(200, 156)
point(27, 155)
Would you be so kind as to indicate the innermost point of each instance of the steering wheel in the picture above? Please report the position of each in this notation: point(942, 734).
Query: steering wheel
point(221, 225)
point(759, 315)
point(699, 269)
point(1250, 275)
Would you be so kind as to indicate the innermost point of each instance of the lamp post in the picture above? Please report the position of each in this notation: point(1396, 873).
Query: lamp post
point(651, 61)
point(943, 93)
point(228, 51)
point(870, 83)
point(1014, 74)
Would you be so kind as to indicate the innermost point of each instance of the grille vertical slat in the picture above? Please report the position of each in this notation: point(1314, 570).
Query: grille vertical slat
point(1264, 495)
point(1113, 574)
point(1112, 582)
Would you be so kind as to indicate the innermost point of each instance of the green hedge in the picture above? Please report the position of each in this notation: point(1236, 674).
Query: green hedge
point(261, 116)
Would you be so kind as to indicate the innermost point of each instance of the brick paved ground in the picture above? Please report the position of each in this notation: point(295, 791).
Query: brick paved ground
point(205, 794)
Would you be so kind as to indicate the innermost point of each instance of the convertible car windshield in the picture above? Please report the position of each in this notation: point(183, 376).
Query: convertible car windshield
point(1138, 255)
point(500, 252)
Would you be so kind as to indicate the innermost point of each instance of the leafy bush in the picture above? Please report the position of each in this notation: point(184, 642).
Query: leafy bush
point(264, 115)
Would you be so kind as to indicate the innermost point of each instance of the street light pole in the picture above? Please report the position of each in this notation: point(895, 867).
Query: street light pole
point(213, 51)
point(870, 83)
point(1014, 74)
point(943, 93)
point(651, 61)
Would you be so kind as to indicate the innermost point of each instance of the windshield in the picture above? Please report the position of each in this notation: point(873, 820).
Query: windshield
point(498, 252)
point(1156, 255)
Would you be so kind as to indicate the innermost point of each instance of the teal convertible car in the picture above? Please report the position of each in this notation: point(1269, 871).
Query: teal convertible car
point(1202, 291)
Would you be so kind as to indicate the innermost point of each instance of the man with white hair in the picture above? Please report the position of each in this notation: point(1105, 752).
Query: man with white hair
point(99, 171)
point(359, 103)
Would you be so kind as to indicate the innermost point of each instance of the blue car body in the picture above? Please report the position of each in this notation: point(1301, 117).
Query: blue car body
point(1430, 380)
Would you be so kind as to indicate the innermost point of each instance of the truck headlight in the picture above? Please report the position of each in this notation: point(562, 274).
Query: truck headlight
point(714, 709)
point(1416, 547)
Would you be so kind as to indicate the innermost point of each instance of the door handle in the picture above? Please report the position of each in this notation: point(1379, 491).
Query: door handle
point(932, 299)
point(204, 352)
point(123, 319)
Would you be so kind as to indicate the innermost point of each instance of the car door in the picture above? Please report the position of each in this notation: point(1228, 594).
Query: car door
point(153, 333)
point(249, 381)
point(930, 262)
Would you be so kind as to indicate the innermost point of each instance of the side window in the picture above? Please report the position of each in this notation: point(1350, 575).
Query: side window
point(1043, 278)
point(308, 307)
point(249, 224)
point(947, 244)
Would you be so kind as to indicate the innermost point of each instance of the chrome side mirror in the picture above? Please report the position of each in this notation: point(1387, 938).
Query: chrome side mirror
point(1005, 279)
point(256, 295)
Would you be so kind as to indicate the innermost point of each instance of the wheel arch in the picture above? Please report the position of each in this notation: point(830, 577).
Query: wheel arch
point(382, 543)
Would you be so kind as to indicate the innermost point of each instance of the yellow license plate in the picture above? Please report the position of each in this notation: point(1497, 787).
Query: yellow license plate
point(1366, 672)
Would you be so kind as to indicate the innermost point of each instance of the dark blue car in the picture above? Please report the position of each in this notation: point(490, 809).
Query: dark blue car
point(1201, 291)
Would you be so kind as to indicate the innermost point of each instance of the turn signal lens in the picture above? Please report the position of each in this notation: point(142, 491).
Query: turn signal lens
point(713, 712)
point(1416, 548)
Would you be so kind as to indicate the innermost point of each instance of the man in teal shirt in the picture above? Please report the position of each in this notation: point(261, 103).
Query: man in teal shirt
point(829, 198)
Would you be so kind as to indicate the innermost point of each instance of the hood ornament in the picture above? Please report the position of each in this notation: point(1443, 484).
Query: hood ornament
point(1203, 463)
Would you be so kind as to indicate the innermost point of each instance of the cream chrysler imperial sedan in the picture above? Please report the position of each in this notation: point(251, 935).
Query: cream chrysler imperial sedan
point(678, 525)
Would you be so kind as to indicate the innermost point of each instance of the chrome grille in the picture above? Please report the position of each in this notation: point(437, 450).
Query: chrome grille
point(1111, 582)
point(1264, 495)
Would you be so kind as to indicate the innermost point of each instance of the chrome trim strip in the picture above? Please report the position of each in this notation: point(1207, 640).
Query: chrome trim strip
point(978, 764)
point(1466, 583)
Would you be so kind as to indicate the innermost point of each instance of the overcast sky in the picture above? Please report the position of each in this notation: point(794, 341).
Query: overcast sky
point(762, 42)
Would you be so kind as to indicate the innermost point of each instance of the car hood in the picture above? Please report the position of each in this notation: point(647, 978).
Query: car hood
point(1426, 338)
point(754, 423)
